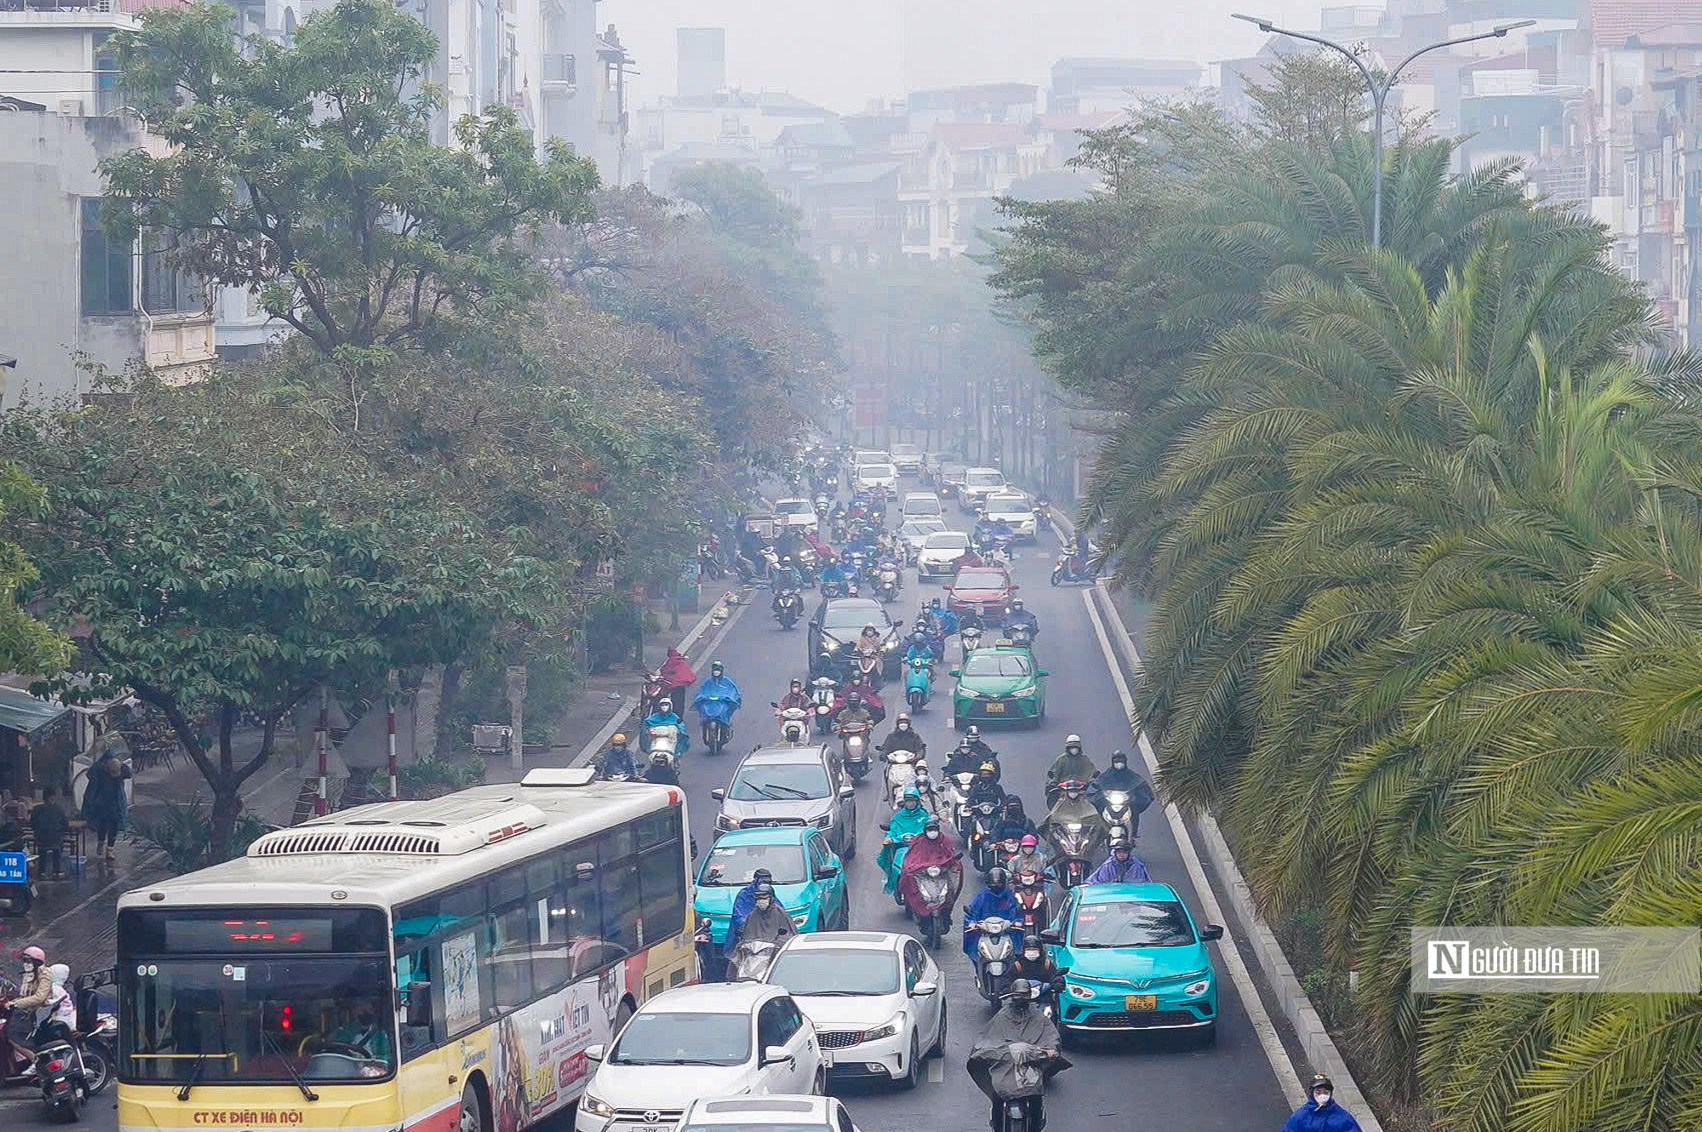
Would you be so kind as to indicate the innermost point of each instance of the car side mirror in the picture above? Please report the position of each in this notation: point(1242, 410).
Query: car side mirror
point(846, 793)
point(883, 825)
point(419, 1005)
point(957, 672)
point(1016, 585)
point(923, 990)
point(899, 624)
point(947, 586)
point(1052, 936)
point(815, 622)
point(825, 872)
point(718, 794)
point(1044, 672)
point(596, 1052)
point(774, 703)
point(776, 1055)
point(1211, 932)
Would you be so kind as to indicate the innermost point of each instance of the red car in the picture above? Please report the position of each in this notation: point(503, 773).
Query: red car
point(984, 589)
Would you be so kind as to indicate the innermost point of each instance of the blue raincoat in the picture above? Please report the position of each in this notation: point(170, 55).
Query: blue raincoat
point(1114, 871)
point(717, 699)
point(663, 717)
point(743, 903)
point(1331, 1118)
point(989, 903)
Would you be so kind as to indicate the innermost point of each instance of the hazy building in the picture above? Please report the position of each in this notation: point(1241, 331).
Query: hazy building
point(702, 54)
point(1083, 86)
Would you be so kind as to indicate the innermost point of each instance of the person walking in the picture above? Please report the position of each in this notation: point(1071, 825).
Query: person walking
point(105, 806)
point(50, 825)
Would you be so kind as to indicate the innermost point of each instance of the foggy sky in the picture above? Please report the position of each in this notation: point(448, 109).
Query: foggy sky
point(841, 53)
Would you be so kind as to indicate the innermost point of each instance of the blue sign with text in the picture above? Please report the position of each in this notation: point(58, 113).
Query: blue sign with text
point(14, 868)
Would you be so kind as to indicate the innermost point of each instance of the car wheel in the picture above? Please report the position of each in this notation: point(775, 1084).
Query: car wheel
point(850, 848)
point(473, 1117)
point(914, 1074)
point(845, 912)
point(939, 1049)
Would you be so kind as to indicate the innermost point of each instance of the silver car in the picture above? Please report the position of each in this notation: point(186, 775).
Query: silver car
point(804, 784)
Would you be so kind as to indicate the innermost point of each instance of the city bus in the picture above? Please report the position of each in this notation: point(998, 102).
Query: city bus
point(422, 966)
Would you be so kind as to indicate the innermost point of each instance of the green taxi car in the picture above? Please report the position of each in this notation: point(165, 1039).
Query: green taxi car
point(999, 683)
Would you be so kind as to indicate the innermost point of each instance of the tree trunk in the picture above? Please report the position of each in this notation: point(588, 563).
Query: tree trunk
point(227, 806)
point(426, 702)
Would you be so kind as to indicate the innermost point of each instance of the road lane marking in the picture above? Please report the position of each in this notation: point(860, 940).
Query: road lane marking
point(937, 1070)
point(1288, 1077)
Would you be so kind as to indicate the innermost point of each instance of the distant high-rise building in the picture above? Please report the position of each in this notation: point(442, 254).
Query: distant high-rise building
point(703, 61)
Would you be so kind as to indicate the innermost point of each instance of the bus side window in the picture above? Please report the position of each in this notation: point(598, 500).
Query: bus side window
point(662, 884)
point(576, 915)
point(552, 966)
point(413, 975)
point(510, 958)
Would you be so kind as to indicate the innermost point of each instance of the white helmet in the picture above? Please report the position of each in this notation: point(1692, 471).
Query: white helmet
point(1072, 740)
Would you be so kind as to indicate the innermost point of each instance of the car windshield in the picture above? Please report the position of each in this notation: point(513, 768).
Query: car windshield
point(927, 504)
point(779, 782)
point(985, 479)
point(948, 540)
point(982, 663)
point(980, 580)
point(1131, 923)
point(906, 450)
point(878, 471)
point(684, 1038)
point(920, 528)
point(794, 507)
point(836, 971)
point(1007, 507)
point(855, 617)
point(731, 866)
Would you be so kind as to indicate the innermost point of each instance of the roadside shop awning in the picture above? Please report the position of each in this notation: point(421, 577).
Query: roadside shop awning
point(22, 712)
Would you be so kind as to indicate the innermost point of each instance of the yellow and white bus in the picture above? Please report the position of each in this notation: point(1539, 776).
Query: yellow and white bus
point(433, 966)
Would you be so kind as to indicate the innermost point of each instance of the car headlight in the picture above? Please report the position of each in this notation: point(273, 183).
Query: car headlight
point(829, 645)
point(1027, 693)
point(799, 919)
point(890, 645)
point(1197, 988)
point(590, 1104)
point(968, 695)
point(824, 822)
point(724, 823)
point(1075, 990)
point(887, 1029)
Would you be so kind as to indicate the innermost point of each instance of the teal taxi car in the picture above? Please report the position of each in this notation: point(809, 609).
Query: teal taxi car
point(999, 682)
point(1135, 960)
point(809, 877)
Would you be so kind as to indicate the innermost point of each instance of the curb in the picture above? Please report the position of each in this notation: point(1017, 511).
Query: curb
point(1315, 1041)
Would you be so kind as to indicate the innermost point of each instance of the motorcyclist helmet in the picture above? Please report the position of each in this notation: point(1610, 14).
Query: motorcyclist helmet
point(619, 740)
point(1013, 806)
point(33, 954)
point(797, 685)
point(997, 878)
point(1321, 1089)
point(912, 798)
point(1120, 848)
point(660, 758)
point(974, 732)
point(934, 605)
point(765, 896)
point(919, 637)
point(902, 722)
point(988, 770)
point(762, 876)
point(1119, 760)
point(1031, 949)
point(854, 698)
point(1029, 841)
point(1016, 605)
point(869, 630)
point(716, 668)
point(1072, 745)
point(1073, 789)
point(932, 829)
point(1022, 994)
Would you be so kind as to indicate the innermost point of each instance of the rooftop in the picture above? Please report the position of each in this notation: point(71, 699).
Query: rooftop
point(1612, 22)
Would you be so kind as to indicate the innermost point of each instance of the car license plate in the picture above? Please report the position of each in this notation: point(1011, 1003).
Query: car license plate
point(1140, 1003)
point(826, 1059)
point(650, 1127)
point(996, 709)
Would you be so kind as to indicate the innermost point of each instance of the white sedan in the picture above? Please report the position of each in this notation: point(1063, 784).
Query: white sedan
point(755, 1114)
point(938, 552)
point(876, 999)
point(714, 1039)
point(1015, 510)
point(915, 532)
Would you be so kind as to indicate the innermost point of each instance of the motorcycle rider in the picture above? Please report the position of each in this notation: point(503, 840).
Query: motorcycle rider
point(1321, 1113)
point(1078, 559)
point(1073, 806)
point(35, 991)
point(1017, 1024)
point(920, 646)
point(1017, 615)
point(934, 847)
point(1121, 866)
point(970, 753)
point(904, 737)
point(665, 716)
point(854, 716)
point(719, 689)
point(785, 576)
point(676, 676)
point(768, 921)
point(1072, 764)
point(618, 759)
point(996, 899)
point(795, 697)
point(965, 560)
point(661, 771)
point(869, 640)
point(834, 577)
point(1030, 858)
point(743, 901)
point(1034, 964)
point(1013, 821)
point(909, 820)
point(1120, 776)
point(986, 787)
point(945, 621)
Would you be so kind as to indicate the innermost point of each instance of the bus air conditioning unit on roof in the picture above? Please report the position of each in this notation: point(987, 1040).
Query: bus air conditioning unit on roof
point(409, 829)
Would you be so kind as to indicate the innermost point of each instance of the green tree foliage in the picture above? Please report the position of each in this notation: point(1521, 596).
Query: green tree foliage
point(1421, 531)
point(26, 645)
point(307, 173)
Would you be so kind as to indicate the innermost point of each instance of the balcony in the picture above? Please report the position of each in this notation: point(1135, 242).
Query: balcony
point(1657, 219)
point(559, 73)
point(970, 179)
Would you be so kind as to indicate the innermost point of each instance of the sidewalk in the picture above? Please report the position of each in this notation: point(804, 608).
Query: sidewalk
point(75, 919)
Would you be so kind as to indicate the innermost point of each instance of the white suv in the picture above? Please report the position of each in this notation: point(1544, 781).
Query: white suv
point(709, 1040)
point(796, 512)
point(1015, 509)
point(876, 475)
point(978, 484)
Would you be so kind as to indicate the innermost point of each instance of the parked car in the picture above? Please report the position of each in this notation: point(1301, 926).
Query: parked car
point(907, 458)
point(978, 484)
point(780, 1112)
point(939, 555)
point(1015, 509)
point(809, 878)
point(1136, 961)
point(797, 785)
point(985, 590)
point(839, 621)
point(712, 1039)
point(877, 1000)
point(998, 682)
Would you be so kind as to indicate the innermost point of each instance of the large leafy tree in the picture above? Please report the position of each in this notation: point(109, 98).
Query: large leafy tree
point(26, 644)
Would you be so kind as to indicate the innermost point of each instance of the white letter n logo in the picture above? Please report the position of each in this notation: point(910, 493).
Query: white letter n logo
point(1448, 958)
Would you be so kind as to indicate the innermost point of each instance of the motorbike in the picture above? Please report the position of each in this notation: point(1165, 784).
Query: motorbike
point(717, 725)
point(994, 951)
point(1119, 816)
point(836, 528)
point(1020, 634)
point(1074, 842)
point(929, 895)
point(788, 607)
point(918, 683)
point(854, 747)
point(1066, 571)
point(1013, 1075)
point(709, 560)
point(900, 775)
point(824, 690)
point(65, 1066)
point(984, 851)
point(1042, 514)
point(664, 739)
point(995, 546)
point(957, 796)
point(886, 583)
point(969, 639)
point(868, 669)
point(750, 961)
point(823, 503)
point(794, 723)
point(835, 589)
point(1030, 889)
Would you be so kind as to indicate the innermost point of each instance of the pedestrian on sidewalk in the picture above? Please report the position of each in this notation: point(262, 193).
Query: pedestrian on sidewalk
point(50, 825)
point(105, 806)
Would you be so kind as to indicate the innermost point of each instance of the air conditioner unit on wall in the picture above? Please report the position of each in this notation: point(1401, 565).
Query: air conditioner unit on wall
point(70, 107)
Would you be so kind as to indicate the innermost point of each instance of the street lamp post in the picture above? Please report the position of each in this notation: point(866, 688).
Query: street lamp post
point(1380, 93)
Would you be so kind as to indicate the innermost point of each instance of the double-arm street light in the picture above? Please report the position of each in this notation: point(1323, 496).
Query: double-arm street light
point(1379, 93)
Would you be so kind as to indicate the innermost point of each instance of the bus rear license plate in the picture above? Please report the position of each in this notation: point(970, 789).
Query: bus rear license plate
point(1140, 1003)
point(997, 709)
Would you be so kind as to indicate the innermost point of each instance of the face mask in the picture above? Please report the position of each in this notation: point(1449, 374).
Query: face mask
point(1031, 956)
point(1322, 1099)
point(904, 727)
point(933, 835)
point(765, 904)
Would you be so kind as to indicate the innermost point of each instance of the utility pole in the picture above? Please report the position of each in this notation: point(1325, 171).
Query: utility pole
point(1379, 93)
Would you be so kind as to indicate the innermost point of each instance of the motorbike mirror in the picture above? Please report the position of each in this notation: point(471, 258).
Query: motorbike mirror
point(924, 990)
point(1050, 935)
point(1211, 932)
point(773, 703)
point(1016, 585)
point(815, 622)
point(718, 794)
point(419, 1004)
point(883, 825)
point(899, 624)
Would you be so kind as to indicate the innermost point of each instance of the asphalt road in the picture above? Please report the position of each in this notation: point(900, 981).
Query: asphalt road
point(1143, 1081)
